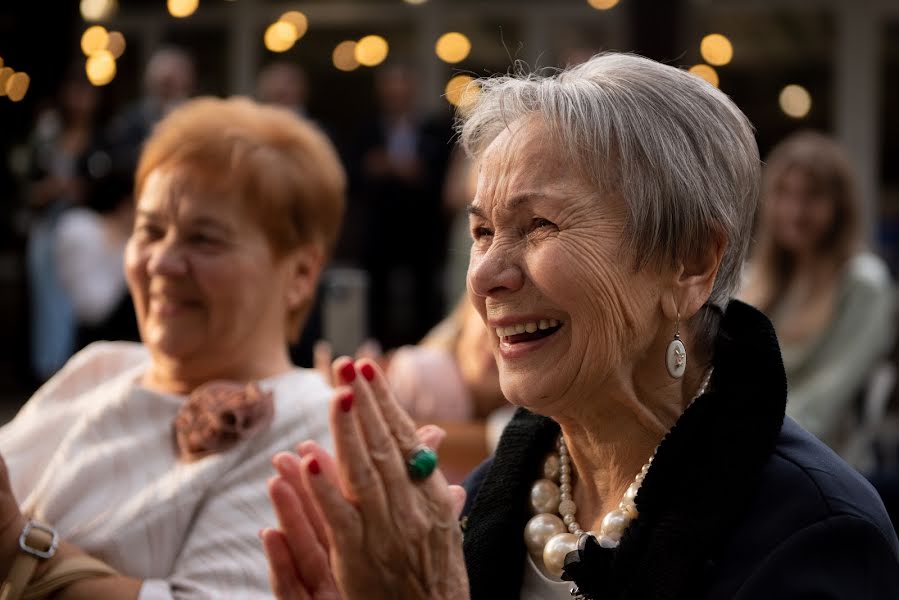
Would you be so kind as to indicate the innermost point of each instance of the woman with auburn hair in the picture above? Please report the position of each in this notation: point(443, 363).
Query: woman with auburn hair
point(139, 470)
point(830, 300)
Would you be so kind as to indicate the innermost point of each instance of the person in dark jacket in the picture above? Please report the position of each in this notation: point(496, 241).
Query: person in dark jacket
point(650, 456)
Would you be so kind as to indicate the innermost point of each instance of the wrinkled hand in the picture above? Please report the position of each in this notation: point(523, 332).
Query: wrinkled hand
point(11, 521)
point(358, 527)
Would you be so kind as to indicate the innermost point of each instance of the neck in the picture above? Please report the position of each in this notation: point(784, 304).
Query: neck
point(611, 441)
point(175, 375)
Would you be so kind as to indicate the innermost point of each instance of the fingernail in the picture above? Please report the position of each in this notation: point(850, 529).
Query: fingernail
point(313, 467)
point(346, 402)
point(367, 371)
point(348, 372)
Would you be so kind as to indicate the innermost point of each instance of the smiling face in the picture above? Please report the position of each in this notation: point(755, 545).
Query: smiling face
point(568, 311)
point(210, 296)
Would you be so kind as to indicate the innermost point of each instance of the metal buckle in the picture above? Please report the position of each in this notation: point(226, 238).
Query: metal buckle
point(23, 540)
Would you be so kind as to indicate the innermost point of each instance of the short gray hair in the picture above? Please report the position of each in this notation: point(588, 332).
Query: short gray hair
point(678, 150)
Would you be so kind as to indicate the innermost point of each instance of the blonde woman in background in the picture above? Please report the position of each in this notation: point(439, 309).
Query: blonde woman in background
point(831, 301)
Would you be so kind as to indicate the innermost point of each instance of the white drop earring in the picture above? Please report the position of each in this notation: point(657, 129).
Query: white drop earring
point(676, 356)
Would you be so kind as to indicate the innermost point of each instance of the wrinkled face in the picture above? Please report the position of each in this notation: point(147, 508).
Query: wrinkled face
point(207, 289)
point(802, 214)
point(548, 275)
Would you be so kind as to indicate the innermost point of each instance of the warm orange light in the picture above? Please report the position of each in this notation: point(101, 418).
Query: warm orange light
point(116, 44)
point(17, 86)
point(5, 74)
point(452, 47)
point(298, 20)
point(461, 91)
point(602, 4)
point(344, 56)
point(795, 101)
point(93, 39)
point(706, 72)
point(371, 50)
point(100, 68)
point(182, 8)
point(280, 36)
point(716, 49)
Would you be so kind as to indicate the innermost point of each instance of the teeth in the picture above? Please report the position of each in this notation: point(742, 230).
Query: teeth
point(529, 327)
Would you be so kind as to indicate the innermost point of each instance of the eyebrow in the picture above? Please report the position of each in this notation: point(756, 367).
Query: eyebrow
point(514, 203)
point(200, 221)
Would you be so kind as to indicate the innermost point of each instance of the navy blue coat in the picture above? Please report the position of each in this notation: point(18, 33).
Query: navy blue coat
point(741, 502)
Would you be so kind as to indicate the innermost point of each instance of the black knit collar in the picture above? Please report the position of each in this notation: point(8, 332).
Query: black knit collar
point(703, 474)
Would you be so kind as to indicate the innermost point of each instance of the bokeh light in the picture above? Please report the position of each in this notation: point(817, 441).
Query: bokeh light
point(5, 74)
point(17, 86)
point(706, 72)
point(371, 50)
point(182, 8)
point(461, 91)
point(603, 4)
point(716, 49)
point(280, 36)
point(415, 2)
point(98, 10)
point(298, 20)
point(116, 44)
point(100, 68)
point(344, 56)
point(94, 39)
point(795, 101)
point(452, 47)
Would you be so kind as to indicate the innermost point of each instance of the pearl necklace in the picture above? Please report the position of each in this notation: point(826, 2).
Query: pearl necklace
point(545, 533)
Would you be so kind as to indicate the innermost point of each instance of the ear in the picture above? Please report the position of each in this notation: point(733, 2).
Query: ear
point(693, 280)
point(303, 265)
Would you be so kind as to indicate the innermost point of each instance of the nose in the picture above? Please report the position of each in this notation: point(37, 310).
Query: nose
point(496, 271)
point(166, 258)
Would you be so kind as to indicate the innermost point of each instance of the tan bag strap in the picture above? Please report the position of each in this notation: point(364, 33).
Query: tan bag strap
point(66, 573)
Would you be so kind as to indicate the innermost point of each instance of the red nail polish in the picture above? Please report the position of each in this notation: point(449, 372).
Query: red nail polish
point(346, 402)
point(348, 372)
point(313, 467)
point(367, 371)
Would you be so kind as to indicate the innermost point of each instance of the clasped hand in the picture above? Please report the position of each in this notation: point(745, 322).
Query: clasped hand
point(355, 525)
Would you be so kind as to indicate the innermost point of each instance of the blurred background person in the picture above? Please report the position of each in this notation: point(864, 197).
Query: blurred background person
point(153, 458)
point(284, 84)
point(90, 258)
point(62, 140)
point(830, 299)
point(401, 159)
point(169, 79)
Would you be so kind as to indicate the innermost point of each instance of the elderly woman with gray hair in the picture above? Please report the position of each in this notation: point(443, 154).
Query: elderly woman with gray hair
point(650, 457)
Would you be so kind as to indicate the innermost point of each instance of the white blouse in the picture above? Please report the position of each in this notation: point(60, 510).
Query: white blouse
point(93, 454)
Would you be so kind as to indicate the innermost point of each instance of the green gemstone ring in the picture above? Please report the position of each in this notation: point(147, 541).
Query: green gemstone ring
point(421, 462)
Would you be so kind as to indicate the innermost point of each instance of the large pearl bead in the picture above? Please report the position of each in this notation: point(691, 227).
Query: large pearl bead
point(557, 547)
point(614, 524)
point(538, 531)
point(545, 496)
point(551, 467)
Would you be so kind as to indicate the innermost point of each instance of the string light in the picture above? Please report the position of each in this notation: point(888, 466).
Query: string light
point(17, 86)
point(452, 47)
point(706, 72)
point(461, 91)
point(100, 68)
point(371, 50)
point(299, 22)
point(603, 4)
point(5, 74)
point(344, 56)
point(182, 8)
point(116, 44)
point(94, 39)
point(716, 49)
point(280, 36)
point(98, 10)
point(795, 101)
